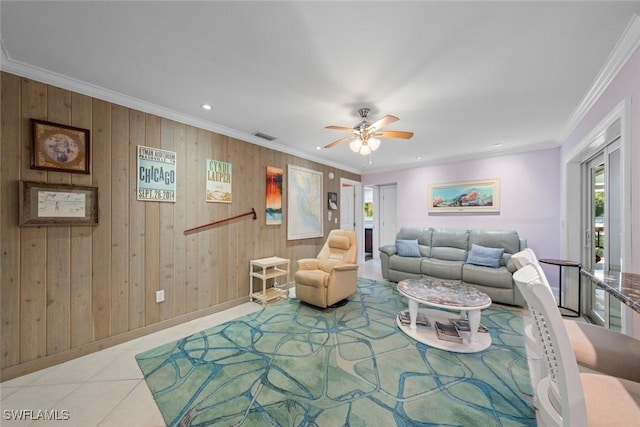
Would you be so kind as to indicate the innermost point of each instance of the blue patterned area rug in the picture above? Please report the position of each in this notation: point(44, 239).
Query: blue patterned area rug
point(291, 364)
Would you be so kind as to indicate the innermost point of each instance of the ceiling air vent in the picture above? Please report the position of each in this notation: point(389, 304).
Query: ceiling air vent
point(264, 136)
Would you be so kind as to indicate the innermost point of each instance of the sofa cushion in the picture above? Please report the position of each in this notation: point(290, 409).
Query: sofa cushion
point(407, 248)
point(487, 276)
point(449, 245)
point(509, 240)
point(482, 255)
point(422, 235)
point(443, 269)
point(407, 264)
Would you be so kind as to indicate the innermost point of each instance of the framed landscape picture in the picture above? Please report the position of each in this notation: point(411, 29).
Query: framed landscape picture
point(467, 196)
point(60, 148)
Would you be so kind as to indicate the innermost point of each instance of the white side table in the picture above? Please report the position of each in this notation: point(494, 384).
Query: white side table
point(265, 269)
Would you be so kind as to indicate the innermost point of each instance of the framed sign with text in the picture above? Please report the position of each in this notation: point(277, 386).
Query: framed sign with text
point(156, 174)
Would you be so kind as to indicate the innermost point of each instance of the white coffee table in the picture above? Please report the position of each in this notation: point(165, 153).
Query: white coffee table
point(442, 294)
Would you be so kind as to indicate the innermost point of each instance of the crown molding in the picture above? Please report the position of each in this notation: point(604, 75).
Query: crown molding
point(624, 49)
point(22, 69)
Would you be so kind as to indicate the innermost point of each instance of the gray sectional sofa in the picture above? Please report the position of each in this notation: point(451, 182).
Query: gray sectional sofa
point(481, 258)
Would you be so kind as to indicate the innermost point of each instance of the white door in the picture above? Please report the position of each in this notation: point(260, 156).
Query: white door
point(350, 218)
point(388, 214)
point(347, 207)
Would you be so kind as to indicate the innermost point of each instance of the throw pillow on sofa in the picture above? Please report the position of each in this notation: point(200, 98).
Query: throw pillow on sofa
point(483, 256)
point(408, 248)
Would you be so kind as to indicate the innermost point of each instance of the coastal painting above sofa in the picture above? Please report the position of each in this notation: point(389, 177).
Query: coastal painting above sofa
point(468, 196)
point(481, 258)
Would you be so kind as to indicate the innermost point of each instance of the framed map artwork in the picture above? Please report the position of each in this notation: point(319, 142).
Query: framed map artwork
point(305, 203)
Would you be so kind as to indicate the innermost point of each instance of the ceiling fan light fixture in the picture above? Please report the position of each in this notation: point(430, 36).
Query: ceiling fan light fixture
point(362, 139)
point(373, 143)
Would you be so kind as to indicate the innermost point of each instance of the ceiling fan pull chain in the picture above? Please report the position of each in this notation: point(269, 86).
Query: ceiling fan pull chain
point(370, 153)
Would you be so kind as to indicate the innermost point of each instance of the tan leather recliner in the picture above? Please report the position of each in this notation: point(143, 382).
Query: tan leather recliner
point(333, 275)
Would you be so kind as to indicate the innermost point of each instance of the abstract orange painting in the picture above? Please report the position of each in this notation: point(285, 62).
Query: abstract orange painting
point(274, 196)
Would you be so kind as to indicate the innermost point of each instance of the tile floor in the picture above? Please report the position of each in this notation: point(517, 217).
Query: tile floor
point(107, 388)
point(104, 388)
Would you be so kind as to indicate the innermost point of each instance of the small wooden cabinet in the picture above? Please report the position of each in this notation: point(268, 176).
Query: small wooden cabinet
point(264, 269)
point(368, 240)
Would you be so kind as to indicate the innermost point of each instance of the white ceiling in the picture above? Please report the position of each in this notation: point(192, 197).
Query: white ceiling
point(463, 76)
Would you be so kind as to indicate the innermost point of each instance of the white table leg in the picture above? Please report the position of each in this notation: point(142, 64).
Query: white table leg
point(474, 324)
point(413, 314)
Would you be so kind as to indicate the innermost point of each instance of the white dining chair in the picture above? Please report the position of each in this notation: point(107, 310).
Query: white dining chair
point(565, 396)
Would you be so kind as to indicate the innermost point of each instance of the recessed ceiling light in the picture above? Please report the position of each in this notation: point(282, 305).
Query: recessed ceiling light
point(418, 158)
point(318, 148)
point(206, 107)
point(497, 144)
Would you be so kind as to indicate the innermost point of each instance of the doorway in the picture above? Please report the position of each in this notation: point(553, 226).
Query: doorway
point(596, 185)
point(603, 238)
point(351, 211)
point(380, 217)
point(388, 214)
point(368, 222)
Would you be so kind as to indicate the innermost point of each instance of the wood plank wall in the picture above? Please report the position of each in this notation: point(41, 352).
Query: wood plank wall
point(70, 290)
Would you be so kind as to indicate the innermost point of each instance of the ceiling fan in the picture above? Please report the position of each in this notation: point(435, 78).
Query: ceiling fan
point(365, 136)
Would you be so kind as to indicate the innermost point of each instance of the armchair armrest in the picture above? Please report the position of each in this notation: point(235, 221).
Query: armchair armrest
point(308, 264)
point(345, 267)
point(343, 273)
point(388, 249)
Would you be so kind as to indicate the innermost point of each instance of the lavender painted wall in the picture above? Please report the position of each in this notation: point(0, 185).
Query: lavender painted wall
point(626, 85)
point(529, 193)
point(530, 182)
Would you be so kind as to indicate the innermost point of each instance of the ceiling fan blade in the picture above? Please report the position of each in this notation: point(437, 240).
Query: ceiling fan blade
point(340, 141)
point(386, 120)
point(344, 129)
point(340, 128)
point(393, 134)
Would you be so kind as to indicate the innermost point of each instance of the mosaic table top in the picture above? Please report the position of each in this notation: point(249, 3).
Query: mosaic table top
point(444, 293)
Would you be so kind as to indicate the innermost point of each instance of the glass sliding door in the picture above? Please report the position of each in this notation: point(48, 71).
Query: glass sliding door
point(603, 240)
point(593, 257)
point(613, 254)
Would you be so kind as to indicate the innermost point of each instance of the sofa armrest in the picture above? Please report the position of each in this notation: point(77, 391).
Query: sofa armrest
point(308, 264)
point(388, 249)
